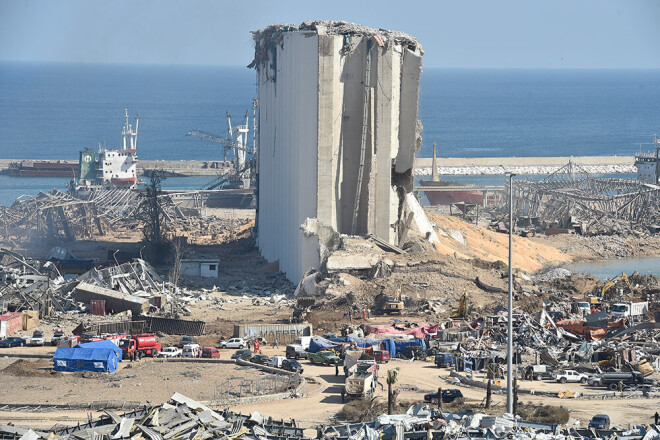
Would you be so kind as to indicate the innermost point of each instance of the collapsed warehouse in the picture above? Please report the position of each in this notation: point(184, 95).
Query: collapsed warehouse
point(571, 199)
point(56, 217)
point(133, 292)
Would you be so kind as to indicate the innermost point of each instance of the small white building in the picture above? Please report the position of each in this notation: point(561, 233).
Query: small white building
point(648, 164)
point(646, 171)
point(200, 266)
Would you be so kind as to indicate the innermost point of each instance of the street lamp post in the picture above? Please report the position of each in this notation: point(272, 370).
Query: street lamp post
point(509, 344)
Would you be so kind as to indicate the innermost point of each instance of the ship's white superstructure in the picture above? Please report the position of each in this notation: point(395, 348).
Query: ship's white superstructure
point(110, 169)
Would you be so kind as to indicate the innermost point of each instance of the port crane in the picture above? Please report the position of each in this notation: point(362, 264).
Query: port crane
point(236, 142)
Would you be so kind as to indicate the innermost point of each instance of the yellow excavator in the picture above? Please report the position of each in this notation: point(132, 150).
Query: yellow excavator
point(464, 309)
point(394, 305)
point(613, 281)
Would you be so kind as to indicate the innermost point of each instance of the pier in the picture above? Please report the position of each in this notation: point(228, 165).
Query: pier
point(451, 165)
point(183, 168)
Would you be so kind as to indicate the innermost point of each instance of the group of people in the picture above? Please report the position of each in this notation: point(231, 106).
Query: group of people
point(257, 344)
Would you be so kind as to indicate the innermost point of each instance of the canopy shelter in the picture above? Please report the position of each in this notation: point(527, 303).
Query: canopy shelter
point(101, 356)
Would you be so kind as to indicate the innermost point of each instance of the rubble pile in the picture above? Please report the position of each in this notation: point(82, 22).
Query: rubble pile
point(184, 418)
point(58, 217)
point(39, 286)
point(571, 199)
point(361, 272)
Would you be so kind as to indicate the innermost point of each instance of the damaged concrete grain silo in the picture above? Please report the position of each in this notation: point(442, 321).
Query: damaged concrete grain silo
point(338, 132)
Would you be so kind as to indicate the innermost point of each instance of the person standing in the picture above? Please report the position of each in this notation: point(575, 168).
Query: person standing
point(364, 313)
point(656, 418)
point(276, 343)
point(256, 346)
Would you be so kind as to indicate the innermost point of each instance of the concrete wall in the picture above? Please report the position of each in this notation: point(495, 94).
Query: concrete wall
point(646, 172)
point(209, 269)
point(190, 269)
point(288, 116)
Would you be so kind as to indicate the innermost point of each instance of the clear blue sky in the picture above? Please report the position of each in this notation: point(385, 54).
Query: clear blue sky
point(458, 33)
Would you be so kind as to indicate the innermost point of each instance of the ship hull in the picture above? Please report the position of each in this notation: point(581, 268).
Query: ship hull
point(43, 169)
point(43, 173)
point(448, 197)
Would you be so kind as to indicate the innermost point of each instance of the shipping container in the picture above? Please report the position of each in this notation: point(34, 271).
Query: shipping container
point(285, 333)
point(97, 307)
point(10, 323)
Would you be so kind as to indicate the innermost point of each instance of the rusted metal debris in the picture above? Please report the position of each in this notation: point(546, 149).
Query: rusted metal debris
point(571, 198)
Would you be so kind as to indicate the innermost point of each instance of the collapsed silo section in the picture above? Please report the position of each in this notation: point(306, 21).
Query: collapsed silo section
point(338, 133)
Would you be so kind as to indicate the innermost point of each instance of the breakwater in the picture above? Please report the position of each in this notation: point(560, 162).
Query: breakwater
point(525, 165)
point(446, 166)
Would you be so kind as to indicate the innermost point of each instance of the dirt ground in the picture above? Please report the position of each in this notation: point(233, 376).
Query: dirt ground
point(488, 245)
point(428, 275)
point(33, 381)
point(157, 381)
point(419, 377)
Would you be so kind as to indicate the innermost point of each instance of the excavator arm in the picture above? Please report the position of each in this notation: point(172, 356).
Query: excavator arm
point(613, 281)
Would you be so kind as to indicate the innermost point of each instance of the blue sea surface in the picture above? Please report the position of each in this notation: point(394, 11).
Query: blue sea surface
point(608, 269)
point(52, 111)
point(531, 113)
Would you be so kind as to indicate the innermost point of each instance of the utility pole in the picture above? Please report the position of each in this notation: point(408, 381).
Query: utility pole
point(509, 344)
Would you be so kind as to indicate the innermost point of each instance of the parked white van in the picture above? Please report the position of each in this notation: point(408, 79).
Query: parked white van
point(191, 351)
point(303, 341)
point(275, 361)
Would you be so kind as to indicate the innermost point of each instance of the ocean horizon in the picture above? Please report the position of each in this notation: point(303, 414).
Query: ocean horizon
point(54, 110)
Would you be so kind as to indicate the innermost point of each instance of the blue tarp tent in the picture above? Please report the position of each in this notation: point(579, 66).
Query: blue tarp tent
point(387, 344)
point(318, 343)
point(401, 345)
point(102, 344)
point(95, 356)
point(393, 346)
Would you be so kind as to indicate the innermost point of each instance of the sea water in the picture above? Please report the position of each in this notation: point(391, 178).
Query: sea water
point(608, 269)
point(52, 111)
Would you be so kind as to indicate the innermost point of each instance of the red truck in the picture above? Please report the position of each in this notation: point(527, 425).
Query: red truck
point(381, 356)
point(137, 346)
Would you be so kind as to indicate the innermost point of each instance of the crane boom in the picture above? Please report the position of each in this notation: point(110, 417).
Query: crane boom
point(224, 141)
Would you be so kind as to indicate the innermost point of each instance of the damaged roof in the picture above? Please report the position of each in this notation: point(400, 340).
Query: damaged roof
point(273, 34)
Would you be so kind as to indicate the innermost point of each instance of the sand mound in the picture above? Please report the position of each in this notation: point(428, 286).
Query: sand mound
point(25, 368)
point(468, 241)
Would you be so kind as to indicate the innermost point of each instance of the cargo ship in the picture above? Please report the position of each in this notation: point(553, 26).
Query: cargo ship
point(43, 168)
point(442, 195)
point(109, 169)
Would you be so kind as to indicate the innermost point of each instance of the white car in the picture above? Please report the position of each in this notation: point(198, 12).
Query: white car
point(37, 338)
point(233, 343)
point(571, 376)
point(170, 352)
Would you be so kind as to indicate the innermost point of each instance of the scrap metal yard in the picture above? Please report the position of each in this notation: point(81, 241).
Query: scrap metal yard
point(334, 304)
